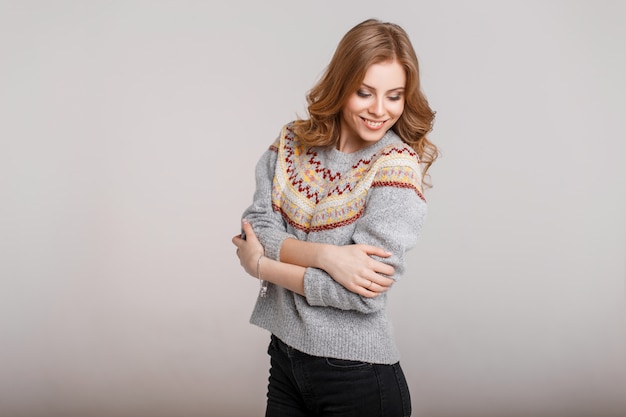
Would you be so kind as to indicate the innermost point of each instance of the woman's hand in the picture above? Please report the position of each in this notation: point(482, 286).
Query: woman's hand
point(353, 267)
point(249, 249)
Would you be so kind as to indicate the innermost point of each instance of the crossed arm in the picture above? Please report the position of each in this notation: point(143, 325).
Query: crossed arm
point(360, 272)
point(352, 266)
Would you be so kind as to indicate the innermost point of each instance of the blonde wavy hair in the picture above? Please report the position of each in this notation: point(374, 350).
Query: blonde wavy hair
point(369, 42)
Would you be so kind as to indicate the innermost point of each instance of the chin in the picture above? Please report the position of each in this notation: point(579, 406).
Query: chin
point(373, 136)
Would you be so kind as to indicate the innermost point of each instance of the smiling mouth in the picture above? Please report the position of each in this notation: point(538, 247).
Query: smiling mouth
point(372, 124)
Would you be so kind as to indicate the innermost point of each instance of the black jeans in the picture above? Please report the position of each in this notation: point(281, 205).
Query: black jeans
point(303, 385)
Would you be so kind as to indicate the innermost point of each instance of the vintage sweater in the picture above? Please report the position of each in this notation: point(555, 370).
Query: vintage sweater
point(372, 196)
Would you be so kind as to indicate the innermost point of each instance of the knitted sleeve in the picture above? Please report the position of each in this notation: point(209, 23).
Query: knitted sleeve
point(268, 225)
point(393, 219)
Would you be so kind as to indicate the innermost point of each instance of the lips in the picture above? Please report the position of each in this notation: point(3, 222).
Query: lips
point(372, 124)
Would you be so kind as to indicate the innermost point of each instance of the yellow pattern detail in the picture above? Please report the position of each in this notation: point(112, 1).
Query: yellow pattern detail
point(310, 197)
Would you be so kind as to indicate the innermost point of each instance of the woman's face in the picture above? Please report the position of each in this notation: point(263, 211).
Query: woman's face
point(374, 108)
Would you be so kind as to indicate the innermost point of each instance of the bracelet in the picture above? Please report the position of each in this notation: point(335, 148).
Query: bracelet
point(263, 284)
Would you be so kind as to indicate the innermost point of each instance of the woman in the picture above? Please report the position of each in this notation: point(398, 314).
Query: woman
point(338, 203)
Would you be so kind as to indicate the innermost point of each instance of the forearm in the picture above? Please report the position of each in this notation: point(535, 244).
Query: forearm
point(355, 267)
point(306, 254)
point(282, 274)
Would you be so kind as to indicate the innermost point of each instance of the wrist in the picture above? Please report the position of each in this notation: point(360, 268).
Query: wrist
point(263, 283)
point(322, 255)
point(258, 267)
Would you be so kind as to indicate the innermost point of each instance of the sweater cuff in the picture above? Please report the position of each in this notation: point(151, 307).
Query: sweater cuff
point(273, 242)
point(312, 288)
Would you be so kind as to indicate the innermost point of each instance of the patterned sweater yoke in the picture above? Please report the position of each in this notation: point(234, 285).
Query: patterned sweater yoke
point(311, 197)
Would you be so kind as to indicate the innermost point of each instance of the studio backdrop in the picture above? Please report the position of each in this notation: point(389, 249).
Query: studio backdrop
point(129, 132)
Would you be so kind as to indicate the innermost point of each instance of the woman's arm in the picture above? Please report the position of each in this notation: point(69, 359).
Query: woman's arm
point(352, 266)
point(392, 220)
point(286, 275)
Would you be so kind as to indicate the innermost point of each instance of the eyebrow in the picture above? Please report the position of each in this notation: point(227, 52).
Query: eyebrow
point(388, 91)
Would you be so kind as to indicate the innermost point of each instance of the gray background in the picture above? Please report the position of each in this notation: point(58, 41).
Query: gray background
point(129, 132)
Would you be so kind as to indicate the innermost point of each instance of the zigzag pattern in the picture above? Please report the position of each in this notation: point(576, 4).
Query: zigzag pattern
point(310, 197)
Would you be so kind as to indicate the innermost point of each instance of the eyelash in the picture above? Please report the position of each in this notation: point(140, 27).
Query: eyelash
point(363, 94)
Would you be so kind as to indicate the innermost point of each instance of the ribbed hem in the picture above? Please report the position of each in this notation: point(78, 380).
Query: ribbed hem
point(328, 332)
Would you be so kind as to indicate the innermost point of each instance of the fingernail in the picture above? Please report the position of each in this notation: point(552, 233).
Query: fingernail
point(244, 221)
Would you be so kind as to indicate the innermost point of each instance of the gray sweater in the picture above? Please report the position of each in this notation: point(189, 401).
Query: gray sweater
point(372, 196)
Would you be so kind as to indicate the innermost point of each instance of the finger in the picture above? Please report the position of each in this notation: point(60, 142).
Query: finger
point(370, 288)
point(379, 289)
point(375, 250)
point(362, 291)
point(383, 268)
point(369, 285)
point(369, 293)
point(248, 230)
point(237, 240)
point(381, 281)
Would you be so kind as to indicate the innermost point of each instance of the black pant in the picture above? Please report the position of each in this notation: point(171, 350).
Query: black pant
point(302, 385)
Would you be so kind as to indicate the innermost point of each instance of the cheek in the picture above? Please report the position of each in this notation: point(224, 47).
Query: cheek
point(397, 109)
point(353, 106)
point(345, 110)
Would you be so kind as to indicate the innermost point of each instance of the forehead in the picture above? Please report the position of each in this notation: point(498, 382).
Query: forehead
point(385, 76)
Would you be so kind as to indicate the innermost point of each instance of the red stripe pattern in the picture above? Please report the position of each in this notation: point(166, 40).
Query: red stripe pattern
point(311, 197)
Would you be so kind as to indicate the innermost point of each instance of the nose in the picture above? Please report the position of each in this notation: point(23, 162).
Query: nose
point(377, 108)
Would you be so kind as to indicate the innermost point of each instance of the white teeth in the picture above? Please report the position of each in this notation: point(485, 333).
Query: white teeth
point(373, 124)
